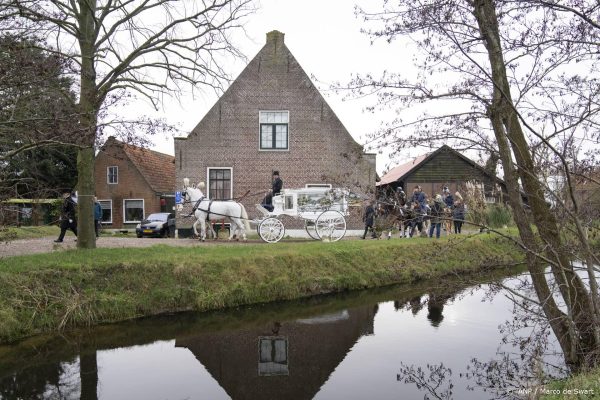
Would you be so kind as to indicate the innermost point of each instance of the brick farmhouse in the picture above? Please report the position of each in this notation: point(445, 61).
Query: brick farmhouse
point(271, 118)
point(132, 182)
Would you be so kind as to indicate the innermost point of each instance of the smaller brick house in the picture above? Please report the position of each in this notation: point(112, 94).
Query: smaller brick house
point(132, 182)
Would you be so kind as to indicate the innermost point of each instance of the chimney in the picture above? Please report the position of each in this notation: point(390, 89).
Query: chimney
point(275, 38)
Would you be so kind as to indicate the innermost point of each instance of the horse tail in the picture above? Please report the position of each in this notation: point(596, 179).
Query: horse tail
point(245, 218)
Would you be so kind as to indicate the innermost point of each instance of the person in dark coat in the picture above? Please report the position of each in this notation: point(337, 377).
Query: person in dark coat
point(447, 196)
point(437, 214)
point(369, 220)
point(67, 216)
point(276, 188)
point(458, 214)
point(97, 216)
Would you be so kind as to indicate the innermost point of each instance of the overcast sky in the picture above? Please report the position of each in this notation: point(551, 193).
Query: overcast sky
point(325, 38)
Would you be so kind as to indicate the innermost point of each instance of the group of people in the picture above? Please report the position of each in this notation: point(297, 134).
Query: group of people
point(419, 213)
point(68, 215)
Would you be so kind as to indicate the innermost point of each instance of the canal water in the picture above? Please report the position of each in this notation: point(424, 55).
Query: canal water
point(403, 342)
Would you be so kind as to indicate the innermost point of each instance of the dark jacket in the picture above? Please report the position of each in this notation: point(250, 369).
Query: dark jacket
point(369, 216)
point(68, 209)
point(419, 197)
point(459, 210)
point(449, 200)
point(97, 211)
point(437, 212)
point(277, 186)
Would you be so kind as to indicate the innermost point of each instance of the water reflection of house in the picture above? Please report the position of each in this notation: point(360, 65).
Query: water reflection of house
point(288, 360)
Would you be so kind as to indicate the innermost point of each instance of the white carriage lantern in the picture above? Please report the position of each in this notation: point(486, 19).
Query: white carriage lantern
point(322, 207)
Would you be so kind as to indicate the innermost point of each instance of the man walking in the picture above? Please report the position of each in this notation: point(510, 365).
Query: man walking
point(67, 216)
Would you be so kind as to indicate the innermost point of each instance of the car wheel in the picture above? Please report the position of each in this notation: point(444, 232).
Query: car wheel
point(139, 235)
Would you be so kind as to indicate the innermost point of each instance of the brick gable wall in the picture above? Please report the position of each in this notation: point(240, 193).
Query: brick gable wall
point(320, 148)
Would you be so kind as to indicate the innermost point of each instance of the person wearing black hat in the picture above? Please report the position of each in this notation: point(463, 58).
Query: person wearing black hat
point(276, 188)
point(67, 216)
point(277, 183)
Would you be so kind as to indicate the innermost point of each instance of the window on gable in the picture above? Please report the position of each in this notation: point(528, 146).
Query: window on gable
point(274, 130)
point(112, 175)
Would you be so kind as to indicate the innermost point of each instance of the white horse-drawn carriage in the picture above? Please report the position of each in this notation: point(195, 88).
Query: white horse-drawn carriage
point(322, 208)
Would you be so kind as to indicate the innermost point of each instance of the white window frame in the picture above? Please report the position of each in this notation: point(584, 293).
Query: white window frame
point(108, 175)
point(208, 180)
point(125, 211)
point(111, 211)
point(288, 130)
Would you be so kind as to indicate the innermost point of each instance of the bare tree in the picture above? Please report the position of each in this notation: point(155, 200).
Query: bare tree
point(144, 47)
point(507, 68)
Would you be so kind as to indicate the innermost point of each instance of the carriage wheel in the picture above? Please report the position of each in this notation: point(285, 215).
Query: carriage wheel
point(311, 229)
point(330, 226)
point(271, 230)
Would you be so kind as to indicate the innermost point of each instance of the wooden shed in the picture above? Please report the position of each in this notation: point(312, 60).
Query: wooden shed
point(443, 167)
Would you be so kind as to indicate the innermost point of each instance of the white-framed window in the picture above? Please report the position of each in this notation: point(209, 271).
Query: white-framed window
point(220, 183)
point(112, 175)
point(274, 130)
point(106, 211)
point(133, 210)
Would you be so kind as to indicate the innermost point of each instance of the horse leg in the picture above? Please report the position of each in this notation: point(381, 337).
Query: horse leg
point(195, 228)
point(202, 229)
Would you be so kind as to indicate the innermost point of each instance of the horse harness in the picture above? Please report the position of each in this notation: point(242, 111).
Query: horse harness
point(208, 212)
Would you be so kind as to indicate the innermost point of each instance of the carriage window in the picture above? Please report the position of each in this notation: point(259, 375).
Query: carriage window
point(219, 183)
point(112, 175)
point(274, 130)
point(289, 202)
point(134, 210)
point(106, 211)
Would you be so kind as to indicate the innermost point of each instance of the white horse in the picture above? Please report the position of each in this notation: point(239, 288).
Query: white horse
point(215, 210)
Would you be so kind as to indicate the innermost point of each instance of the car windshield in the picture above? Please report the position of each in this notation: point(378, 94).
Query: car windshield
point(157, 217)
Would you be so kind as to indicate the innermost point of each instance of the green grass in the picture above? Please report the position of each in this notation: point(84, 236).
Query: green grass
point(49, 292)
point(574, 387)
point(28, 232)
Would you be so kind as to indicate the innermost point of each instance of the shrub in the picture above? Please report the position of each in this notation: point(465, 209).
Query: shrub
point(497, 216)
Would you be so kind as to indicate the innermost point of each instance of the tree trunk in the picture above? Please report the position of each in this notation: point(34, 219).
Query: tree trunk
point(88, 375)
point(88, 117)
point(580, 311)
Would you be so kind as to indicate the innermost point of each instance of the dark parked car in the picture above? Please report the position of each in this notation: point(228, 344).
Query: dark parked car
point(158, 224)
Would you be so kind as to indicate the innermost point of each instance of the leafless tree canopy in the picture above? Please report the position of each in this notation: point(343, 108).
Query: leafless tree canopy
point(120, 48)
point(518, 81)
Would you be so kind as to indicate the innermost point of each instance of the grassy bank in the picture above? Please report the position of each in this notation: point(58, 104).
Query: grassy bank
point(28, 232)
point(45, 293)
point(581, 386)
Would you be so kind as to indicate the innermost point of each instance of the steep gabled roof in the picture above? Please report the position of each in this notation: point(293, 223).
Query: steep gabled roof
point(400, 172)
point(158, 169)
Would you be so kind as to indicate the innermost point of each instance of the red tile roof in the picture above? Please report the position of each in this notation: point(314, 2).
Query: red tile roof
point(157, 168)
point(395, 173)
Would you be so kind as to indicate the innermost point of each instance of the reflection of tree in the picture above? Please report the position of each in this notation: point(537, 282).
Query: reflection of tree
point(52, 381)
point(434, 380)
point(435, 308)
point(27, 383)
point(88, 373)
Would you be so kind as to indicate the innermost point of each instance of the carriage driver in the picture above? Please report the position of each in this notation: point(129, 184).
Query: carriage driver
point(267, 203)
